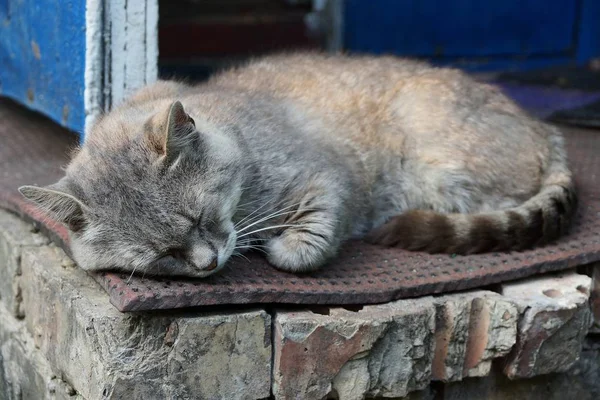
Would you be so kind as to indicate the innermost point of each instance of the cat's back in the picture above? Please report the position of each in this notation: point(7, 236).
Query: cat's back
point(362, 97)
point(335, 80)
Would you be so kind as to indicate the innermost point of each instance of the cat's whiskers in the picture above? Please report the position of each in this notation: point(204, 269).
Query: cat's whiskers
point(249, 245)
point(268, 228)
point(255, 211)
point(252, 247)
point(255, 248)
point(132, 272)
point(265, 211)
point(245, 207)
point(250, 202)
point(268, 217)
point(241, 255)
point(277, 213)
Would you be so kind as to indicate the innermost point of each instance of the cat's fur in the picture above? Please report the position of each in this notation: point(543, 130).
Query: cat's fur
point(307, 150)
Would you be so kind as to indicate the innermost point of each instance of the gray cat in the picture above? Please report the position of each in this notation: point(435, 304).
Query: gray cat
point(293, 154)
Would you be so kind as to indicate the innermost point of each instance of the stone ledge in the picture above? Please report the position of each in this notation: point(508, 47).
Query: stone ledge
point(106, 354)
point(24, 371)
point(15, 235)
point(383, 350)
point(472, 329)
point(536, 326)
point(555, 318)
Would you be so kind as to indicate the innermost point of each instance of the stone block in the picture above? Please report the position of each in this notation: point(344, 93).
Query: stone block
point(472, 329)
point(24, 372)
point(110, 355)
point(15, 234)
point(379, 351)
point(581, 382)
point(555, 317)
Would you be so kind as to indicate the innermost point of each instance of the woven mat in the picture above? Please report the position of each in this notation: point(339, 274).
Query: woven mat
point(33, 149)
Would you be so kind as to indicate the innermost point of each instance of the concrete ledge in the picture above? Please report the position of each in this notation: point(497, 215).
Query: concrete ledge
point(60, 338)
point(24, 371)
point(537, 326)
point(15, 235)
point(106, 354)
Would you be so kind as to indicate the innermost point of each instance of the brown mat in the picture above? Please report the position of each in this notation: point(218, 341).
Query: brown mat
point(32, 149)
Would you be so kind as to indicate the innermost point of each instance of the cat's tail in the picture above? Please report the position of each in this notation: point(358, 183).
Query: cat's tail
point(541, 219)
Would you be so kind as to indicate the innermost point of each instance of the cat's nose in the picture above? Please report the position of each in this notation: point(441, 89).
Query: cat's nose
point(204, 259)
point(213, 264)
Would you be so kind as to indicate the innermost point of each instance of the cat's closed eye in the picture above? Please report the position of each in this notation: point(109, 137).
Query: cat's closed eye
point(169, 260)
point(173, 254)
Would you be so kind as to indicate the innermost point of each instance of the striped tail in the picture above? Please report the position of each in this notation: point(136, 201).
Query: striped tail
point(541, 219)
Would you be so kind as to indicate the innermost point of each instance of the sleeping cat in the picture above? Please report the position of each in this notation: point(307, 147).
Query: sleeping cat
point(293, 154)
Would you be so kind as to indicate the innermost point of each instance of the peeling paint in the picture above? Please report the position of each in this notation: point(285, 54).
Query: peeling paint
point(36, 50)
point(121, 52)
point(133, 46)
point(94, 53)
point(44, 52)
point(94, 62)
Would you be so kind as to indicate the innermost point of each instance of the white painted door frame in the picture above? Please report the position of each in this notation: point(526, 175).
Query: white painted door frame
point(121, 52)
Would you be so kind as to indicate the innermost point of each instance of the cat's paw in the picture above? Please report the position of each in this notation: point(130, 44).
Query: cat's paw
point(295, 251)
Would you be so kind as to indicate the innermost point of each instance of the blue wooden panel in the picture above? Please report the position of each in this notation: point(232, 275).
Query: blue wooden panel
point(504, 63)
point(42, 57)
point(461, 28)
point(588, 38)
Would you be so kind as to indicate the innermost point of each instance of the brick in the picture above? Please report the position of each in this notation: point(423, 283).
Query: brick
point(472, 329)
point(379, 351)
point(555, 317)
point(15, 234)
point(107, 354)
point(581, 382)
point(24, 372)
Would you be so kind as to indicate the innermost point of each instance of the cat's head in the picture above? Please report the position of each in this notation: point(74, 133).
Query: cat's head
point(152, 195)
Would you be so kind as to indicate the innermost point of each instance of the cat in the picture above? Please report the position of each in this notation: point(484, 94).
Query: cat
point(292, 154)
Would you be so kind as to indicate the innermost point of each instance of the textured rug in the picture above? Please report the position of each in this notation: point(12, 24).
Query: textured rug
point(33, 149)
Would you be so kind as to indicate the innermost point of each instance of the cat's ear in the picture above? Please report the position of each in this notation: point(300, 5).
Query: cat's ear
point(60, 205)
point(171, 132)
point(180, 132)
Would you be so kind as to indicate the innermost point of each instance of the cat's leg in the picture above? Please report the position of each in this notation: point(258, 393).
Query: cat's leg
point(314, 236)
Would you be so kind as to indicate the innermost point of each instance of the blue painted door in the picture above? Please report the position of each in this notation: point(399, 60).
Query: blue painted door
point(488, 34)
point(42, 56)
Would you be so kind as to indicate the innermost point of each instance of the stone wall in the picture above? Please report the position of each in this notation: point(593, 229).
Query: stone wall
point(60, 338)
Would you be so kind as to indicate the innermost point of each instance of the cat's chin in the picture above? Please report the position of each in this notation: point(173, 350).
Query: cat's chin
point(204, 274)
point(180, 274)
point(188, 271)
point(176, 271)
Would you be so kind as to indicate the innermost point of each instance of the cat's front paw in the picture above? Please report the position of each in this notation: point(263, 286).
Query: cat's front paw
point(298, 251)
